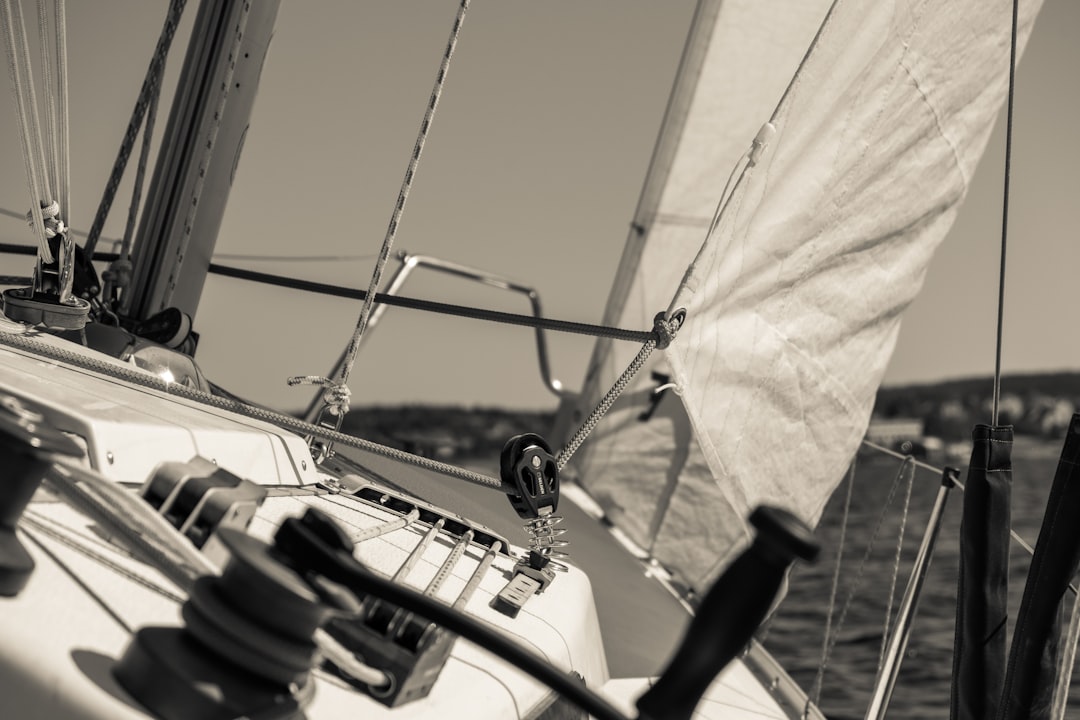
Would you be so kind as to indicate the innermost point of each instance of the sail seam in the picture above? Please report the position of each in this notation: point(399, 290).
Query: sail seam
point(915, 83)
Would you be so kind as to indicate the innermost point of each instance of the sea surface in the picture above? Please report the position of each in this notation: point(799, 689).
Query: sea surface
point(796, 634)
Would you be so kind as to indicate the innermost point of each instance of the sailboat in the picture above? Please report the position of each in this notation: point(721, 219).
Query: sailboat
point(163, 494)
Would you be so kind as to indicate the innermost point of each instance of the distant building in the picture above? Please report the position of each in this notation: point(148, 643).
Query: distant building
point(891, 432)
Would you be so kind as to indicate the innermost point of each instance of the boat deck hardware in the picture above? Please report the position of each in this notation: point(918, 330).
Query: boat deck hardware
point(409, 649)
point(528, 465)
point(199, 498)
point(246, 646)
point(402, 504)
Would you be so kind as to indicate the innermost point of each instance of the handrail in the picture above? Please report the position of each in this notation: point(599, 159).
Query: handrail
point(409, 263)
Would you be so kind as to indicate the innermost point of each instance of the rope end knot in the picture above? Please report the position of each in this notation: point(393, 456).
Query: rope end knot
point(666, 328)
point(336, 396)
point(50, 216)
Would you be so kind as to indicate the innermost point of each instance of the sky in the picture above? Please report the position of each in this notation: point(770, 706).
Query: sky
point(532, 171)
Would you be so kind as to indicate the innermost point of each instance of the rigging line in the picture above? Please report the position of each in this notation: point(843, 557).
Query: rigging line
point(63, 143)
point(81, 233)
point(294, 258)
point(918, 463)
point(152, 78)
point(432, 306)
point(57, 153)
point(140, 168)
point(860, 571)
point(403, 196)
point(57, 156)
point(286, 422)
point(149, 535)
point(78, 580)
point(819, 679)
point(26, 111)
point(665, 327)
point(38, 524)
point(1005, 210)
point(107, 257)
point(906, 466)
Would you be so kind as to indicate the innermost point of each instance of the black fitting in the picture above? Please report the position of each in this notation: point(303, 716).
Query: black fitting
point(729, 614)
point(246, 646)
point(26, 447)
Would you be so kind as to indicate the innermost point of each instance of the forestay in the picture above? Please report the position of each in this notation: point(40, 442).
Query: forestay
point(794, 301)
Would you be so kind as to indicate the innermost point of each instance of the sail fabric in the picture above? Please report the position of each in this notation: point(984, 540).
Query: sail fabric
point(983, 593)
point(1037, 645)
point(643, 463)
point(794, 303)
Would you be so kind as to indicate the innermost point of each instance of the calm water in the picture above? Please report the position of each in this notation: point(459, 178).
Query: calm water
point(795, 635)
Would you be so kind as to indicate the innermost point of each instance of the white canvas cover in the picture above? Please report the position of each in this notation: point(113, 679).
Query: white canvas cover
point(794, 303)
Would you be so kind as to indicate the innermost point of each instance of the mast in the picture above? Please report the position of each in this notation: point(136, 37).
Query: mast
point(199, 154)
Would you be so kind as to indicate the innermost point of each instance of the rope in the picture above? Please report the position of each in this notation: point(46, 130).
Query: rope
point(292, 258)
point(918, 463)
point(57, 153)
point(18, 58)
point(22, 216)
point(149, 87)
point(831, 643)
point(403, 196)
point(287, 422)
point(140, 169)
point(149, 535)
point(473, 313)
point(826, 647)
point(336, 397)
point(664, 331)
point(431, 306)
point(906, 465)
point(1005, 213)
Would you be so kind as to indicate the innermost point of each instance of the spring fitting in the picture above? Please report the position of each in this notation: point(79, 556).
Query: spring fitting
point(544, 540)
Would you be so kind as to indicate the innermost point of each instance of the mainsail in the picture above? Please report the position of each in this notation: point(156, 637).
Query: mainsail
point(795, 299)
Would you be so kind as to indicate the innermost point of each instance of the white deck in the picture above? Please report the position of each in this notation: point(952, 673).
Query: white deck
point(87, 596)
